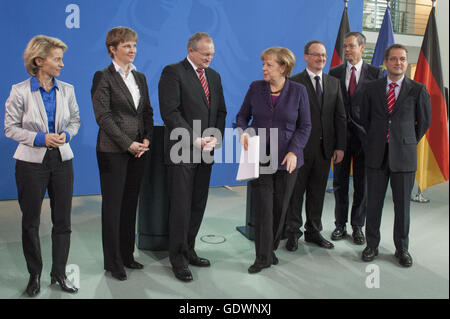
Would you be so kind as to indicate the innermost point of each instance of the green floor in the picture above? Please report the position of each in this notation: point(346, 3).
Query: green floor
point(310, 272)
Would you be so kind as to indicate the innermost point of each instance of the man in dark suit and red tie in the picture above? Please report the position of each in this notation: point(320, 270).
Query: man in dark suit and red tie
point(326, 142)
point(354, 74)
point(191, 100)
point(396, 115)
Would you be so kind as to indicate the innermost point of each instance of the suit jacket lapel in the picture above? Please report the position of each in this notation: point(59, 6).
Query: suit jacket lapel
point(265, 92)
point(324, 90)
point(40, 104)
point(310, 89)
point(383, 95)
point(282, 94)
point(404, 90)
point(60, 108)
point(342, 78)
point(362, 76)
point(196, 84)
point(120, 82)
point(141, 87)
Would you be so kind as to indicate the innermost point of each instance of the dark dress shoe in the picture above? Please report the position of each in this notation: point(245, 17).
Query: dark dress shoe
point(358, 236)
point(318, 240)
point(369, 254)
point(119, 275)
point(255, 268)
point(183, 274)
point(34, 285)
point(275, 260)
point(199, 262)
point(65, 284)
point(404, 258)
point(339, 233)
point(292, 243)
point(134, 265)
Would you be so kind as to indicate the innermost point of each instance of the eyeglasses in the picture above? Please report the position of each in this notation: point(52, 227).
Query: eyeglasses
point(395, 59)
point(317, 55)
point(206, 55)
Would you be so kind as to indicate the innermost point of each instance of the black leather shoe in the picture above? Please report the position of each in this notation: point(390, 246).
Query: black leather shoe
point(65, 284)
point(119, 275)
point(255, 268)
point(339, 233)
point(183, 274)
point(34, 285)
point(404, 258)
point(292, 243)
point(358, 236)
point(318, 240)
point(369, 254)
point(275, 260)
point(199, 262)
point(134, 265)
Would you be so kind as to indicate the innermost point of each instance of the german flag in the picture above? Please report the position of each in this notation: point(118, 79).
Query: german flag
point(344, 28)
point(432, 150)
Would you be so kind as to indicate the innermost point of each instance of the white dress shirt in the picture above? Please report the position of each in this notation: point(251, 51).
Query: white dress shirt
point(397, 88)
point(195, 69)
point(130, 82)
point(313, 80)
point(348, 73)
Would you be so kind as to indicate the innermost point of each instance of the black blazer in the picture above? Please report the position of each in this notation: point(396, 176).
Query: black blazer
point(410, 119)
point(353, 106)
point(120, 123)
point(330, 116)
point(182, 101)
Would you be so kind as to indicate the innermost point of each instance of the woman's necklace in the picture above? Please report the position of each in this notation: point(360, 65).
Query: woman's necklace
point(277, 91)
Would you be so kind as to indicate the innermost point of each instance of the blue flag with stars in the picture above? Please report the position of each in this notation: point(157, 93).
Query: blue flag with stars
point(385, 39)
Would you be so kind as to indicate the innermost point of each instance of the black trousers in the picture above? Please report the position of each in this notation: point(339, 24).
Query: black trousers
point(33, 179)
point(341, 178)
point(188, 191)
point(312, 180)
point(271, 194)
point(401, 184)
point(120, 179)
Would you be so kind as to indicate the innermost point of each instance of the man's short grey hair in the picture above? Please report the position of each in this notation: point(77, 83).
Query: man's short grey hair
point(195, 39)
point(361, 38)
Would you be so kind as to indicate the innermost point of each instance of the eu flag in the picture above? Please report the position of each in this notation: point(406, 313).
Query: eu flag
point(385, 39)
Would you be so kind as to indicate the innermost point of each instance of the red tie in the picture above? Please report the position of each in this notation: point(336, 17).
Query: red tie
point(204, 83)
point(352, 83)
point(391, 100)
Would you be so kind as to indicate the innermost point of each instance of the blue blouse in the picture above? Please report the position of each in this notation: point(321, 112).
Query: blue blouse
point(49, 100)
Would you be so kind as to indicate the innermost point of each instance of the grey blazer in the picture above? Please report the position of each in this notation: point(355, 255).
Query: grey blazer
point(25, 116)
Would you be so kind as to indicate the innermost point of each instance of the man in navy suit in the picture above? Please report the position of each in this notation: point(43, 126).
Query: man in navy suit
point(190, 93)
point(326, 142)
point(396, 115)
point(354, 75)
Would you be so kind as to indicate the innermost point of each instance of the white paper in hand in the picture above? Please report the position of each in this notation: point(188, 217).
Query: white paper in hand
point(249, 161)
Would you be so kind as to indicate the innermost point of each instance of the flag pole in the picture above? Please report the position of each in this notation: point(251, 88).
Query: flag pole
point(331, 188)
point(419, 198)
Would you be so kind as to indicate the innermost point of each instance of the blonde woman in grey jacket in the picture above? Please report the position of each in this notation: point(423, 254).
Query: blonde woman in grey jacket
point(42, 115)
